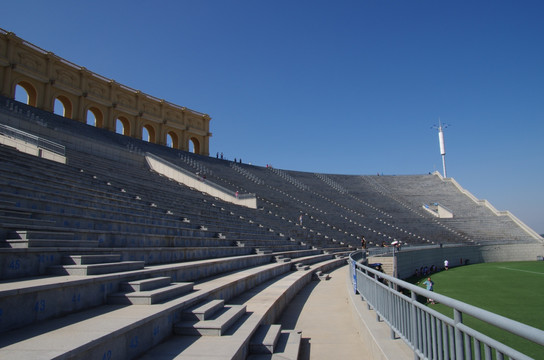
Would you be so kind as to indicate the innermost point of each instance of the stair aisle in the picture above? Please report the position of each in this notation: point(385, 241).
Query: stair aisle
point(120, 331)
point(263, 304)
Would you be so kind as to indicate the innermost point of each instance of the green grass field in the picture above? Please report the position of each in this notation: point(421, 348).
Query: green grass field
point(511, 289)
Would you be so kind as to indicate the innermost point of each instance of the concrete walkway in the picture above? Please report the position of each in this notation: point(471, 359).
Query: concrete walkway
point(336, 324)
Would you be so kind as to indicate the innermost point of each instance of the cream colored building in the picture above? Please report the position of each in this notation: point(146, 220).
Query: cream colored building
point(47, 78)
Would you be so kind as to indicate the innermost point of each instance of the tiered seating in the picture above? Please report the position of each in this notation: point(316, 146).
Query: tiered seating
point(472, 221)
point(127, 263)
point(365, 205)
point(93, 241)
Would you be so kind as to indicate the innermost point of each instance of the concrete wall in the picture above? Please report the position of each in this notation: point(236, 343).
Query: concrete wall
point(31, 149)
point(408, 261)
point(175, 173)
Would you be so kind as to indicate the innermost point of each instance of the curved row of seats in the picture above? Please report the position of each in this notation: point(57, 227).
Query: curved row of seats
point(131, 264)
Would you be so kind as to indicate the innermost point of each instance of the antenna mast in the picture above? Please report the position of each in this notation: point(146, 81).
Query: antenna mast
point(441, 128)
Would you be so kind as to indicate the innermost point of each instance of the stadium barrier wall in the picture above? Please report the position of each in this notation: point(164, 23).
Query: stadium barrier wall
point(430, 334)
point(409, 259)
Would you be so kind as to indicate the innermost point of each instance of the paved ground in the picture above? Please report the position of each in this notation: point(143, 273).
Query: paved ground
point(337, 325)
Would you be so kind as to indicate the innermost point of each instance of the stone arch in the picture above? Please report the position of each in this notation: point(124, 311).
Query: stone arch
point(31, 92)
point(195, 144)
point(151, 131)
point(98, 116)
point(173, 138)
point(67, 104)
point(125, 125)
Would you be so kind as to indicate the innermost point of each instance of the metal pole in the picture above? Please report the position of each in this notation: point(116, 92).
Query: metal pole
point(444, 165)
point(395, 267)
point(414, 329)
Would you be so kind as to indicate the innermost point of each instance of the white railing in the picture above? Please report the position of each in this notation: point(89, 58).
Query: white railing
point(430, 334)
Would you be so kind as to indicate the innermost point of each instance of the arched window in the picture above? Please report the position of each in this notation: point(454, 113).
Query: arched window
point(172, 140)
point(58, 107)
point(122, 126)
point(26, 93)
point(148, 133)
point(94, 117)
point(91, 119)
point(145, 134)
point(63, 106)
point(194, 146)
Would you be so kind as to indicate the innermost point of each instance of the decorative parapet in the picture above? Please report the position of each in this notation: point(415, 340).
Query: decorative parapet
point(47, 77)
point(198, 183)
point(488, 205)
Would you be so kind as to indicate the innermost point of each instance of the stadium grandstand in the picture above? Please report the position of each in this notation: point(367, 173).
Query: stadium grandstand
point(134, 245)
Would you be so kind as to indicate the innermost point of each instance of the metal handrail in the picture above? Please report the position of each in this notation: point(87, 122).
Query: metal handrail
point(430, 334)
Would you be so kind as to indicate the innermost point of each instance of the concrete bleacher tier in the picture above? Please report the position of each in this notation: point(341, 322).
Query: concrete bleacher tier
point(138, 265)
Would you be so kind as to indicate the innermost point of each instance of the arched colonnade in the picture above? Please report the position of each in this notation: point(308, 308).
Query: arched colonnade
point(50, 81)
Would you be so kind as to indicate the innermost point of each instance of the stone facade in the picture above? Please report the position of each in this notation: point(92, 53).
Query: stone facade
point(47, 77)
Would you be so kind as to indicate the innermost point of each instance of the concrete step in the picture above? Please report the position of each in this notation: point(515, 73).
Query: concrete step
point(35, 238)
point(37, 234)
point(145, 284)
point(90, 259)
point(300, 266)
point(281, 258)
point(264, 340)
point(320, 275)
point(203, 311)
point(96, 269)
point(262, 251)
point(213, 327)
point(288, 346)
point(22, 219)
point(151, 297)
point(40, 243)
point(121, 329)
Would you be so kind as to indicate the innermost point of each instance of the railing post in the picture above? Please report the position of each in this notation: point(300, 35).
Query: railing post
point(459, 348)
point(391, 309)
point(413, 315)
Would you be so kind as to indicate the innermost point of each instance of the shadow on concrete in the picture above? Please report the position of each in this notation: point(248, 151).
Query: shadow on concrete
point(290, 315)
point(305, 349)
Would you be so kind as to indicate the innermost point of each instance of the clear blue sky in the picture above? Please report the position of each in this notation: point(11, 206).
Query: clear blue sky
point(349, 87)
